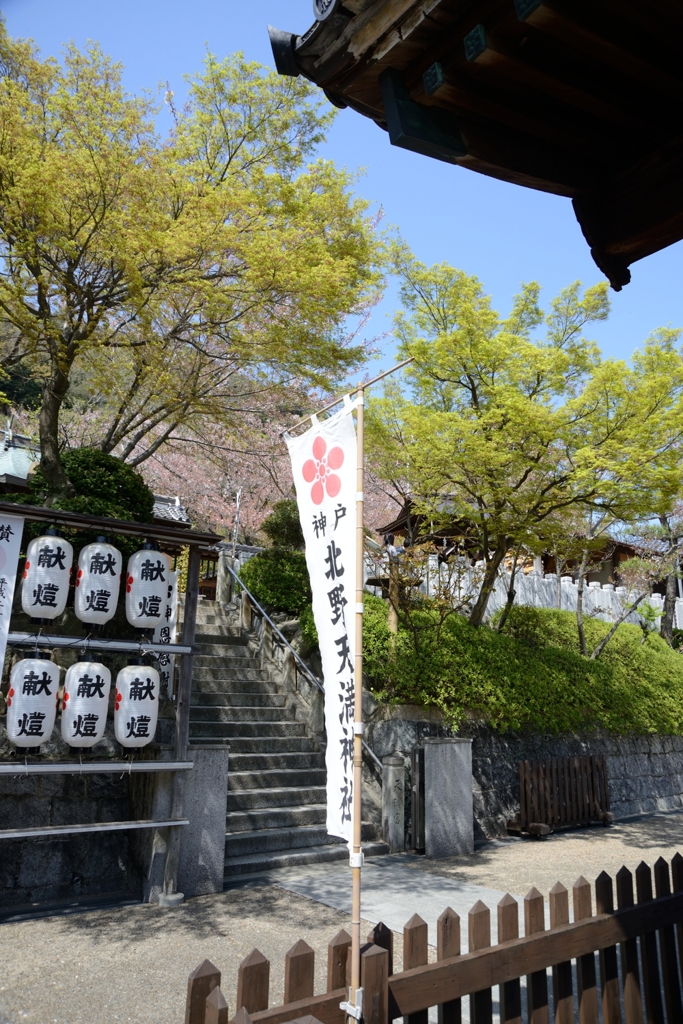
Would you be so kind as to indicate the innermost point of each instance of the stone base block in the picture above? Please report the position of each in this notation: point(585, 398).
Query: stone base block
point(449, 814)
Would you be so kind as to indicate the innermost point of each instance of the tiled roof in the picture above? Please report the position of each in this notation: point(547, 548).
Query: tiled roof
point(170, 509)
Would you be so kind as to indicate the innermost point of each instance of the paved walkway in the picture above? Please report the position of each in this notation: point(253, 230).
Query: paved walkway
point(131, 963)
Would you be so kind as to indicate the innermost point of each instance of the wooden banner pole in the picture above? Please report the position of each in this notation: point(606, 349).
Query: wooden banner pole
point(356, 858)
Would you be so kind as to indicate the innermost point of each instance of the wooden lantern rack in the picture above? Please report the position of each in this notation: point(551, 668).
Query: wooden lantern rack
point(173, 539)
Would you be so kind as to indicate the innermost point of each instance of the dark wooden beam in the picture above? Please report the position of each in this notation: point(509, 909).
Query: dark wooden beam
point(570, 32)
point(422, 129)
point(501, 61)
point(465, 97)
point(80, 521)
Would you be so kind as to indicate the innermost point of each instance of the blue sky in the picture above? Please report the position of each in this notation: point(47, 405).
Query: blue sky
point(503, 233)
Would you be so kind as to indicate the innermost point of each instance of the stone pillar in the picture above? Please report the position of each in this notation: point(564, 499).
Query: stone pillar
point(245, 610)
point(223, 578)
point(449, 815)
point(202, 842)
point(393, 803)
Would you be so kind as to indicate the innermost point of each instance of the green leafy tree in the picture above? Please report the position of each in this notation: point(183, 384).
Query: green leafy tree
point(103, 486)
point(506, 431)
point(283, 527)
point(217, 259)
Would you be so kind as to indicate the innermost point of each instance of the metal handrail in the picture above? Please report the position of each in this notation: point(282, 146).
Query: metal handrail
point(301, 664)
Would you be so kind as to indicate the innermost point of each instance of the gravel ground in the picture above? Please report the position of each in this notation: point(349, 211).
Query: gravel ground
point(132, 963)
point(514, 865)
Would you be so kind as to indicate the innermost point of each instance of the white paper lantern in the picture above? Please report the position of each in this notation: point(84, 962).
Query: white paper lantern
point(32, 701)
point(84, 704)
point(146, 588)
point(46, 577)
point(97, 582)
point(137, 705)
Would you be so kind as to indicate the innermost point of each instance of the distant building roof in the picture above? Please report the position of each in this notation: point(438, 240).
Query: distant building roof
point(17, 454)
point(167, 508)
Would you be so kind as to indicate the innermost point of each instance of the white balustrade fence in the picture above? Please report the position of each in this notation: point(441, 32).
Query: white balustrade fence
point(532, 589)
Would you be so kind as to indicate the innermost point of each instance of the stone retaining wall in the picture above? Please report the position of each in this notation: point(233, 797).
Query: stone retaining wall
point(645, 772)
point(49, 869)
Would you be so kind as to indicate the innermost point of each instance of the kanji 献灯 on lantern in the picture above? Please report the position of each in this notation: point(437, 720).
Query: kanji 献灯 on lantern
point(45, 586)
point(97, 582)
point(137, 705)
point(146, 588)
point(84, 703)
point(32, 701)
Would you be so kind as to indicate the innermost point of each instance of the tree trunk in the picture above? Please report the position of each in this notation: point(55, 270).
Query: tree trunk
point(393, 597)
point(488, 583)
point(666, 628)
point(559, 566)
point(579, 603)
point(511, 594)
point(55, 391)
point(606, 639)
point(667, 623)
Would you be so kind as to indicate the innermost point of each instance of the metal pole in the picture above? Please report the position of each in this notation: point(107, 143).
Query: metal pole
point(359, 390)
point(356, 859)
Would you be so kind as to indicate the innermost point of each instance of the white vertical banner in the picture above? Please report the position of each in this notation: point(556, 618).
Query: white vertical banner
point(11, 530)
point(324, 468)
point(165, 633)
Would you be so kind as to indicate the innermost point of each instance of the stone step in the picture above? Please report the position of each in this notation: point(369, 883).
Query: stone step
point(237, 869)
point(295, 816)
point(209, 741)
point(237, 844)
point(216, 625)
point(230, 686)
point(273, 762)
point(200, 699)
point(234, 655)
point(224, 673)
point(245, 714)
point(209, 611)
point(231, 662)
point(253, 799)
point(221, 632)
point(251, 730)
point(270, 744)
point(233, 645)
point(249, 780)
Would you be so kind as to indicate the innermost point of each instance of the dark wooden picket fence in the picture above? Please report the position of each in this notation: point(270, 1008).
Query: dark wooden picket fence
point(636, 978)
point(562, 792)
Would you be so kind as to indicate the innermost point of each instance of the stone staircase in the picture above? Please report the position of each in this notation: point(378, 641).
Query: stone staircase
point(276, 782)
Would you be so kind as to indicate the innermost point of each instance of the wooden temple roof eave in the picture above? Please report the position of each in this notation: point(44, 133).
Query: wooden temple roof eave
point(571, 98)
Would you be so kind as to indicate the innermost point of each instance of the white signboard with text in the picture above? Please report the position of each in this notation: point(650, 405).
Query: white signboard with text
point(11, 530)
point(165, 633)
point(324, 467)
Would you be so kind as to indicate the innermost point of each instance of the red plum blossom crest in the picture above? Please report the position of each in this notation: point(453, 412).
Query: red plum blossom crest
point(319, 469)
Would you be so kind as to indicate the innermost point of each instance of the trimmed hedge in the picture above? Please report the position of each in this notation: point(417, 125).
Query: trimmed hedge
point(531, 677)
point(278, 579)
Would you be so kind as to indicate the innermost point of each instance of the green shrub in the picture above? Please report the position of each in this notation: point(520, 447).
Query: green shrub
point(104, 486)
point(278, 579)
point(530, 677)
point(309, 633)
